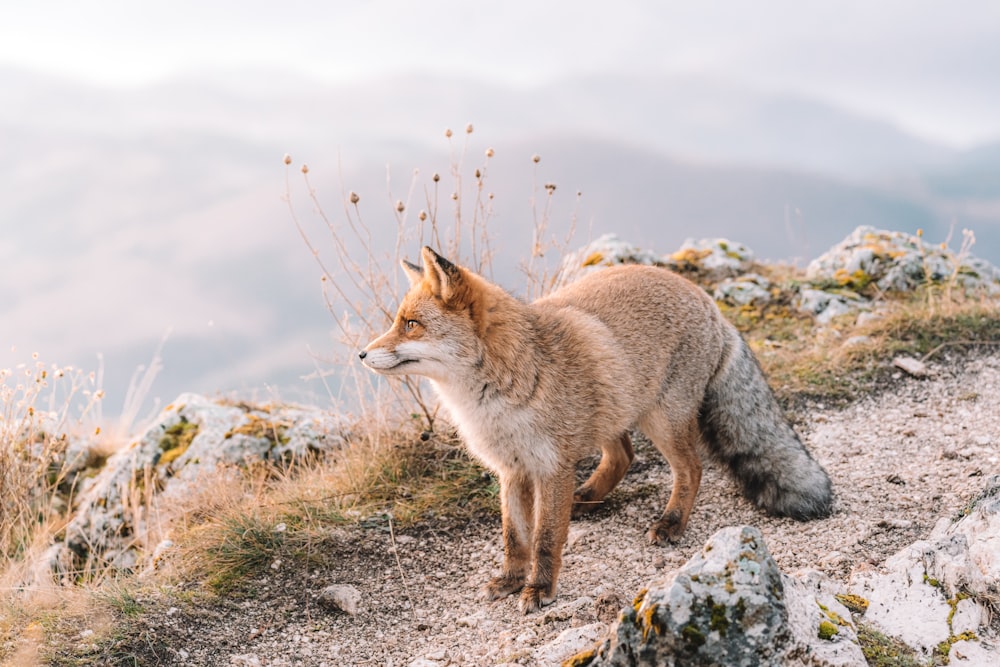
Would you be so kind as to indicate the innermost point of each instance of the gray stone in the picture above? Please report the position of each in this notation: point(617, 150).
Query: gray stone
point(745, 290)
point(720, 255)
point(340, 597)
point(604, 251)
point(937, 589)
point(825, 305)
point(911, 366)
point(896, 261)
point(191, 439)
point(730, 605)
point(568, 643)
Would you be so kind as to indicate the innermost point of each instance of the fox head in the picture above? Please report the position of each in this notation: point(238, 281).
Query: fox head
point(435, 329)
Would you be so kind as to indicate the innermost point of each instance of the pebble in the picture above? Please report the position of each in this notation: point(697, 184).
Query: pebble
point(340, 597)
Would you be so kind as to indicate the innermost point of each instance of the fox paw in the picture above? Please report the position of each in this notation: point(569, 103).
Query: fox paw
point(669, 528)
point(501, 587)
point(584, 502)
point(534, 596)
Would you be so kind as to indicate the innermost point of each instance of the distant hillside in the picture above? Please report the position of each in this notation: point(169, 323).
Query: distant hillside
point(130, 212)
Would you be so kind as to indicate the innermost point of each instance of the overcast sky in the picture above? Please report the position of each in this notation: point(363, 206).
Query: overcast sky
point(932, 67)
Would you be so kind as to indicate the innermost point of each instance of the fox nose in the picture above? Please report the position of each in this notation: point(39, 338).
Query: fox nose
point(362, 354)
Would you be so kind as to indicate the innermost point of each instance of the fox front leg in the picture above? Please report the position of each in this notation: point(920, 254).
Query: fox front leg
point(517, 505)
point(554, 500)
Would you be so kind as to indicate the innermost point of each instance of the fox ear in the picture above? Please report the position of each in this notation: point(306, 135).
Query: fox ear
point(413, 272)
point(444, 277)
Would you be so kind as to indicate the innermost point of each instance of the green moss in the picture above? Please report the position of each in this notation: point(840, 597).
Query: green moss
point(739, 610)
point(827, 630)
point(693, 637)
point(943, 650)
point(176, 440)
point(258, 427)
point(718, 620)
point(832, 615)
point(882, 651)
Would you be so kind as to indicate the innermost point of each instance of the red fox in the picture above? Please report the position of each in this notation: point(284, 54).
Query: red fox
point(535, 387)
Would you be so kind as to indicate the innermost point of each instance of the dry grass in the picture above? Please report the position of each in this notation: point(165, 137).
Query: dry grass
point(401, 478)
point(844, 361)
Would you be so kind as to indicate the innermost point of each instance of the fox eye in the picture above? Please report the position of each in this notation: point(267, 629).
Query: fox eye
point(411, 325)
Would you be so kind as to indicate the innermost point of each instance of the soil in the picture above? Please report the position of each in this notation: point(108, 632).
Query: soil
point(900, 460)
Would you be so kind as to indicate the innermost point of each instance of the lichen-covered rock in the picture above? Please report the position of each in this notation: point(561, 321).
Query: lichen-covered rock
point(606, 250)
point(825, 305)
point(190, 439)
point(729, 605)
point(569, 642)
point(896, 261)
point(750, 289)
point(712, 255)
point(935, 593)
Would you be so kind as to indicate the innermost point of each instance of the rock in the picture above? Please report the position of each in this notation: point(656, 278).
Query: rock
point(608, 606)
point(825, 305)
point(606, 250)
point(914, 367)
point(340, 597)
point(426, 662)
point(748, 289)
point(854, 341)
point(191, 440)
point(867, 317)
point(730, 605)
point(972, 653)
point(940, 589)
point(896, 261)
point(565, 611)
point(716, 255)
point(568, 643)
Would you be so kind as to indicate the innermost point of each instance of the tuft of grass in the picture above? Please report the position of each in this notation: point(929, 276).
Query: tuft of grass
point(883, 651)
point(405, 477)
point(243, 546)
point(803, 360)
point(41, 408)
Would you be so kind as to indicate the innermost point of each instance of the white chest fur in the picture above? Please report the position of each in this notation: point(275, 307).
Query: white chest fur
point(505, 438)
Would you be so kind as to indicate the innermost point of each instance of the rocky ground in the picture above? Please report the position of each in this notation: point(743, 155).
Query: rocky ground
point(900, 460)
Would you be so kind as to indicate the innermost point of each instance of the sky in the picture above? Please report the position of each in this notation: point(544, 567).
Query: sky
point(142, 144)
point(929, 66)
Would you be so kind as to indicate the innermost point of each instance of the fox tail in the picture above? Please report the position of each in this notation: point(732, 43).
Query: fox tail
point(745, 429)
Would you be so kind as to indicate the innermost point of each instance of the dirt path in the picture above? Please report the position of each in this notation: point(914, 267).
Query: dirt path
point(899, 462)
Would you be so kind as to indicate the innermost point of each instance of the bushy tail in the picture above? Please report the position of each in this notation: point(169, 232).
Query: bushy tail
point(745, 428)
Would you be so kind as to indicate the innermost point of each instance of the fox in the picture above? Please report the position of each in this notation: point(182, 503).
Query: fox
point(534, 388)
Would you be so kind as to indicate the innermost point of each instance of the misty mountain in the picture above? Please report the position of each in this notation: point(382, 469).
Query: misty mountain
point(973, 174)
point(130, 213)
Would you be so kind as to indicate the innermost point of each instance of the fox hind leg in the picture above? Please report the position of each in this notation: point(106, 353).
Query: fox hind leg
point(679, 444)
point(616, 457)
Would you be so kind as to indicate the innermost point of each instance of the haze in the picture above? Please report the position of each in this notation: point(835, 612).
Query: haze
point(141, 187)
